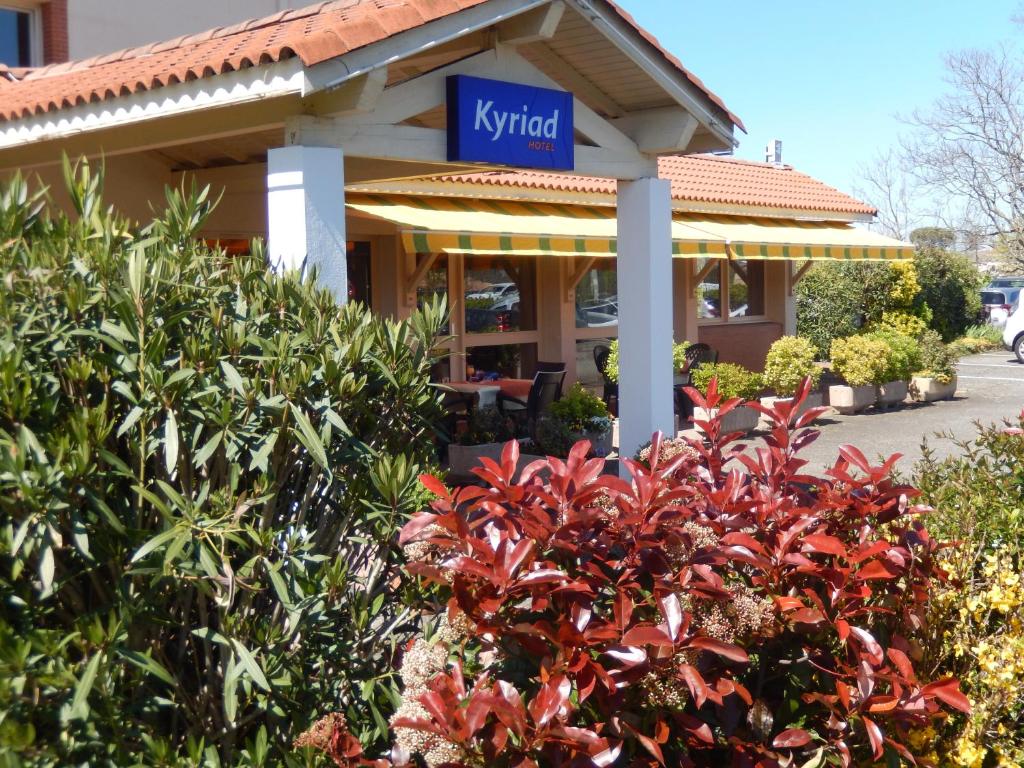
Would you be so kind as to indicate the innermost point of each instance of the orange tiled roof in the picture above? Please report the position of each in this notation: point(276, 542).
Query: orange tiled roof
point(313, 34)
point(701, 179)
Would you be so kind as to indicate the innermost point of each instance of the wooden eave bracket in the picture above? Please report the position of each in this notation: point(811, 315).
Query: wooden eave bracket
point(698, 277)
point(580, 268)
point(796, 277)
point(412, 280)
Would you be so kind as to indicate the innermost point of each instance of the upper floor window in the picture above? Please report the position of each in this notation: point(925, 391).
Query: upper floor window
point(18, 44)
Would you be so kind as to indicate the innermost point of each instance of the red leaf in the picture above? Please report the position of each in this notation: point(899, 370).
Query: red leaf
point(871, 645)
point(825, 544)
point(672, 610)
point(792, 738)
point(435, 486)
point(876, 569)
point(948, 690)
point(416, 526)
point(649, 744)
point(729, 651)
point(694, 681)
point(875, 735)
point(646, 635)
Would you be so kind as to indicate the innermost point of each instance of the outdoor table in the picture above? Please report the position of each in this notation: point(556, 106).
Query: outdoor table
point(485, 392)
point(517, 388)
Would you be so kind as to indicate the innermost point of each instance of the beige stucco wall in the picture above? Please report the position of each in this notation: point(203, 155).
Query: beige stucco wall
point(101, 26)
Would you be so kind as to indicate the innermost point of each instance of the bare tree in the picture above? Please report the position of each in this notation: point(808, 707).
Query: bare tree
point(886, 186)
point(969, 147)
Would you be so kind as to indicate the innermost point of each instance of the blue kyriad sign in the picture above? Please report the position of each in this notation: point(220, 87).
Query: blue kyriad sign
point(491, 121)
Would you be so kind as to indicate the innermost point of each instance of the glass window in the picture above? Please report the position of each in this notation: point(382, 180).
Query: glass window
point(505, 361)
point(746, 288)
point(434, 284)
point(15, 37)
point(597, 296)
point(709, 291)
point(501, 294)
point(586, 365)
point(359, 284)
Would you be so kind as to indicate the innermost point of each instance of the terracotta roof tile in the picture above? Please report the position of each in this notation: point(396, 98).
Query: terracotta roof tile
point(701, 179)
point(313, 34)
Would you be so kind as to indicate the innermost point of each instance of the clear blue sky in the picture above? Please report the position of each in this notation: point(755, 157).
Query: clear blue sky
point(827, 77)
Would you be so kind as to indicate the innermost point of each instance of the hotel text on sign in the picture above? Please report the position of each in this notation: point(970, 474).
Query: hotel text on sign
point(491, 121)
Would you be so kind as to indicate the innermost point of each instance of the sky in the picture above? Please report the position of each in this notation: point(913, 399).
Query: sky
point(827, 77)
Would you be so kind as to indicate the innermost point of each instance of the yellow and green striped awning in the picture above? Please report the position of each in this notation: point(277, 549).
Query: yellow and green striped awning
point(484, 227)
point(454, 225)
point(784, 239)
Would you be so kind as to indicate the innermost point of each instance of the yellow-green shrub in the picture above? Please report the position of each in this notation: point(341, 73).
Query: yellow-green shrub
point(860, 360)
point(977, 621)
point(903, 322)
point(789, 361)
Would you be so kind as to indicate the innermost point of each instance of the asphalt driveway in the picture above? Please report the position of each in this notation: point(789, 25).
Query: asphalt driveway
point(991, 389)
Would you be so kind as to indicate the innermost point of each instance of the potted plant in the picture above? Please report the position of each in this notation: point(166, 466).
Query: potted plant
point(904, 357)
point(733, 381)
point(790, 360)
point(485, 436)
point(862, 363)
point(936, 377)
point(579, 415)
point(678, 361)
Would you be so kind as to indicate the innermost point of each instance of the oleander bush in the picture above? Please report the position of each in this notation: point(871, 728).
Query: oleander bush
point(733, 380)
point(203, 467)
point(789, 361)
point(976, 624)
point(904, 355)
point(860, 360)
point(938, 361)
point(691, 616)
point(950, 290)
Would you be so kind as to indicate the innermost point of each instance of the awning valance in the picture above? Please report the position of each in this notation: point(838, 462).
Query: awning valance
point(454, 225)
point(788, 239)
point(457, 225)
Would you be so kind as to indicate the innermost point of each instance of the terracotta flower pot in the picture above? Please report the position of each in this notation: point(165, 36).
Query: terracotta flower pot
point(849, 400)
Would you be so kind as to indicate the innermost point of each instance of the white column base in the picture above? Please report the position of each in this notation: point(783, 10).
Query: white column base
point(645, 312)
point(306, 214)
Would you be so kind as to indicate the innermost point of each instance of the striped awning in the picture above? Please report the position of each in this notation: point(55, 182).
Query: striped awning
point(486, 227)
point(454, 225)
point(789, 239)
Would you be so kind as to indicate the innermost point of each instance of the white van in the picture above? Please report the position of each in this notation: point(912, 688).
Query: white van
point(1013, 333)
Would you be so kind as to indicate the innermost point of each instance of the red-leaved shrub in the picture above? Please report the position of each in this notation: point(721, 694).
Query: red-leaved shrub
point(721, 609)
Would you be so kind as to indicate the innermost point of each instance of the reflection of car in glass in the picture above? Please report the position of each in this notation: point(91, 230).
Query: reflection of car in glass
point(998, 304)
point(491, 320)
point(598, 313)
point(495, 292)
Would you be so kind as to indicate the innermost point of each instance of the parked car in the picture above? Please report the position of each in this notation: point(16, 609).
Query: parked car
point(997, 303)
point(1013, 333)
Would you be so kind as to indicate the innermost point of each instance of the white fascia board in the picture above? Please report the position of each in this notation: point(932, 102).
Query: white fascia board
point(247, 85)
point(624, 37)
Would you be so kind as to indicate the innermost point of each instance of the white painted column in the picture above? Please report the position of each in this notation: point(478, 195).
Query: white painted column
point(306, 214)
point(645, 312)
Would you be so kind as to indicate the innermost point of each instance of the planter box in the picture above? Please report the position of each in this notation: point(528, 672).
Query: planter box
point(925, 389)
point(740, 419)
point(891, 394)
point(600, 442)
point(814, 400)
point(848, 400)
point(463, 459)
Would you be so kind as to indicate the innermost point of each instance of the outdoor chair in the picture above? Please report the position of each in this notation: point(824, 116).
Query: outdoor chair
point(611, 388)
point(696, 356)
point(553, 367)
point(545, 390)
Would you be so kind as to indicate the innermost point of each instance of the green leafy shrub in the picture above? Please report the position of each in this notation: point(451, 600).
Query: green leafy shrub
point(487, 425)
point(860, 360)
point(902, 322)
point(611, 368)
point(938, 360)
point(976, 626)
point(904, 355)
point(978, 338)
point(202, 469)
point(553, 437)
point(838, 299)
point(733, 380)
point(789, 361)
point(950, 289)
point(580, 410)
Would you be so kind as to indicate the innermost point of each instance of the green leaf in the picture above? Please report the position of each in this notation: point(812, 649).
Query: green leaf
point(153, 543)
point(171, 442)
point(250, 664)
point(147, 664)
point(309, 438)
point(46, 567)
point(80, 702)
point(130, 420)
point(234, 378)
point(204, 453)
point(280, 588)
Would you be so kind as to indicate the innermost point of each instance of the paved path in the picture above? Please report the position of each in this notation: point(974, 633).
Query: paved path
point(991, 388)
